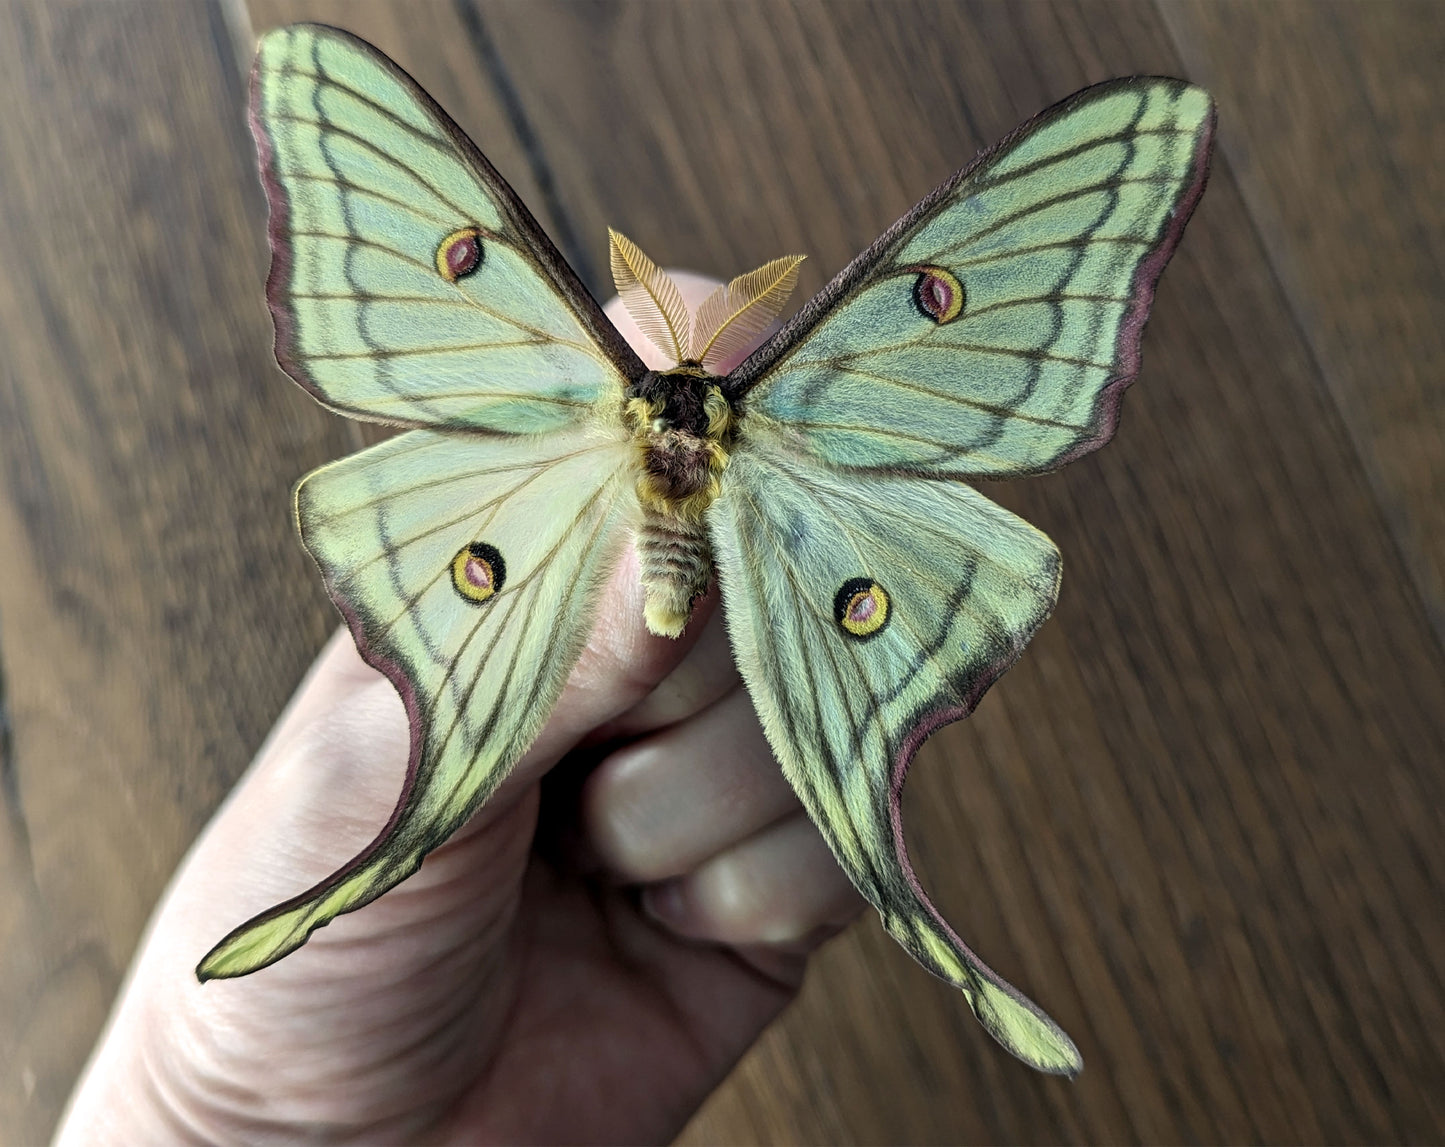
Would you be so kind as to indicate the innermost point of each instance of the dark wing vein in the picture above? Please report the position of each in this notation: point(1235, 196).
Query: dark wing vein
point(504, 691)
point(418, 352)
point(462, 303)
point(440, 396)
point(972, 403)
point(326, 79)
point(390, 550)
point(1128, 135)
point(319, 519)
point(530, 616)
point(357, 189)
point(325, 126)
point(1059, 244)
point(361, 241)
point(1111, 184)
point(360, 294)
point(814, 738)
point(1054, 297)
point(981, 348)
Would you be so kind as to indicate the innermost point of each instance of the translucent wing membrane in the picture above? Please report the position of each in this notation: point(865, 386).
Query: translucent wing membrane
point(468, 569)
point(992, 330)
point(865, 611)
point(409, 285)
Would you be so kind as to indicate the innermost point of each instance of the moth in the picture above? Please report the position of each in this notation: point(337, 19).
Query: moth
point(871, 595)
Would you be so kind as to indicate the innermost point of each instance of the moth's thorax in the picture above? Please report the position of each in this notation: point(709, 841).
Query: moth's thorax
point(682, 425)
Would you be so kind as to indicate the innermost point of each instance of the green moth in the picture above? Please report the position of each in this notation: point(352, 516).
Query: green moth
point(870, 595)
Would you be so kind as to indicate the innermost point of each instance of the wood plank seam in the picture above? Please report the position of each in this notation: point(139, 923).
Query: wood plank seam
point(494, 68)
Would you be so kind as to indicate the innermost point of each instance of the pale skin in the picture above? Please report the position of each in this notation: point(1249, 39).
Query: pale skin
point(583, 964)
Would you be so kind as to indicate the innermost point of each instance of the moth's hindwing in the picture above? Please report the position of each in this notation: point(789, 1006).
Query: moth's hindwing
point(866, 610)
point(469, 569)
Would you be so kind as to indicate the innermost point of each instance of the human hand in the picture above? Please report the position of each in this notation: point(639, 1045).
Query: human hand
point(584, 961)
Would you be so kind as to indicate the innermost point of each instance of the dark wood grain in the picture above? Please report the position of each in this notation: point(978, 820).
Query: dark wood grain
point(1339, 150)
point(154, 610)
point(1200, 822)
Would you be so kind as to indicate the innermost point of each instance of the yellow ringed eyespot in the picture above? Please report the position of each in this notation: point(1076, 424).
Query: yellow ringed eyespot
point(862, 608)
point(938, 294)
point(459, 254)
point(478, 572)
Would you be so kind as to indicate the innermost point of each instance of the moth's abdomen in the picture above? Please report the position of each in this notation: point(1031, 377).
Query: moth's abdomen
point(682, 427)
point(676, 561)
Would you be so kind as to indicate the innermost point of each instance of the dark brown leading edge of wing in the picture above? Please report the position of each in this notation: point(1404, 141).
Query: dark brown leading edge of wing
point(544, 252)
point(1126, 349)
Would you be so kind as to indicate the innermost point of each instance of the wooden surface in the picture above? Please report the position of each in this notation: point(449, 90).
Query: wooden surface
point(1201, 822)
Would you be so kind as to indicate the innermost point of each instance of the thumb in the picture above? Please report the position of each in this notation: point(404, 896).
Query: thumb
point(347, 724)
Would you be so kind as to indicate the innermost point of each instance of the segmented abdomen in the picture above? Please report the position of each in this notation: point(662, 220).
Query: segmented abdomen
point(676, 562)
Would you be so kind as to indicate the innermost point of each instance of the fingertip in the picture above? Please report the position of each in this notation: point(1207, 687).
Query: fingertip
point(780, 888)
point(705, 675)
point(618, 666)
point(693, 287)
point(621, 649)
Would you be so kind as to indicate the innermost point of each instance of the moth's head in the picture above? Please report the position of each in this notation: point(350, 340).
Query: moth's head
point(682, 426)
point(675, 399)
